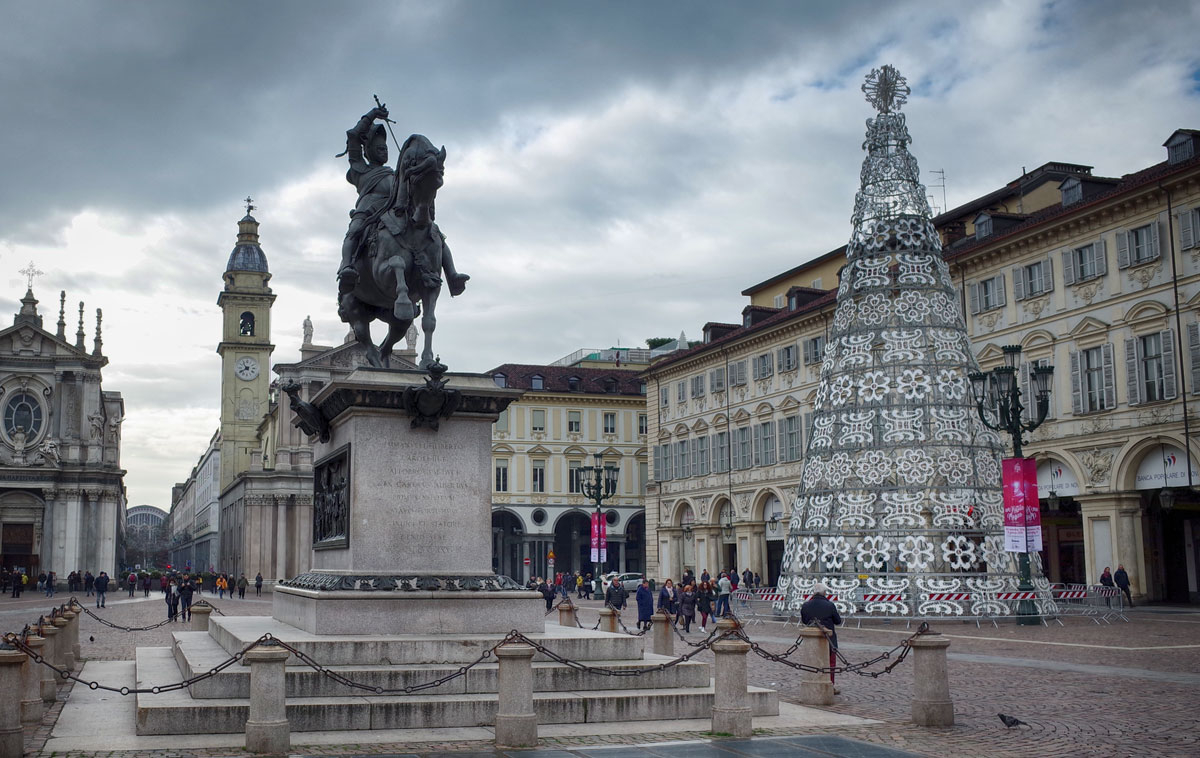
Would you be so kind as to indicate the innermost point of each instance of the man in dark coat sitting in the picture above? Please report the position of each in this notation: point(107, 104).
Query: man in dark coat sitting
point(819, 609)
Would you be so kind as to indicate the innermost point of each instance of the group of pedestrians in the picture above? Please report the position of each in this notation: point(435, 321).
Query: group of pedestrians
point(705, 597)
point(1119, 579)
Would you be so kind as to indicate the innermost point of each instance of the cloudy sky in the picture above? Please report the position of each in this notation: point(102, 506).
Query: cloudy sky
point(615, 171)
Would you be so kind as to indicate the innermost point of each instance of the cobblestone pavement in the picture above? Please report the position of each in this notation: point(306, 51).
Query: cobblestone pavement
point(1082, 689)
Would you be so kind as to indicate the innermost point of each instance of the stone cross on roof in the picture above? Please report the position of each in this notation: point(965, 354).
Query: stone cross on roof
point(250, 205)
point(31, 272)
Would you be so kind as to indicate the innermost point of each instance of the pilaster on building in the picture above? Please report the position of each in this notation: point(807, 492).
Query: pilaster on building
point(1097, 276)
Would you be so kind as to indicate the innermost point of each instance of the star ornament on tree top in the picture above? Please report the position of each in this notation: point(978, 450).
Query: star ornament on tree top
point(886, 89)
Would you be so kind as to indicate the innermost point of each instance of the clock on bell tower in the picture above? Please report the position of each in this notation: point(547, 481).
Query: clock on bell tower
point(245, 349)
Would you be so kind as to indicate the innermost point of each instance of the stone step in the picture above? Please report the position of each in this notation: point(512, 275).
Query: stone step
point(234, 633)
point(178, 713)
point(197, 652)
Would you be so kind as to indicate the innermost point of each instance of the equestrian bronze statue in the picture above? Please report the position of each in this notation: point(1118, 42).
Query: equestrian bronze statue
point(394, 256)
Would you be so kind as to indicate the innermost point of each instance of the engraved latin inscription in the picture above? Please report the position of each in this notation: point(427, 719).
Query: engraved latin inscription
point(425, 478)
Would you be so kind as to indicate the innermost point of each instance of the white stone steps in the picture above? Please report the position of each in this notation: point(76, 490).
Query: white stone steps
point(197, 652)
point(179, 713)
point(234, 633)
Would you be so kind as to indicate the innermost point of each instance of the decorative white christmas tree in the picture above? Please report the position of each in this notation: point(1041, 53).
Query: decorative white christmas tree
point(899, 508)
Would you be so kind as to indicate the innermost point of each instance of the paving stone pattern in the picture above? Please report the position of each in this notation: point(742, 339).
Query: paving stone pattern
point(1083, 689)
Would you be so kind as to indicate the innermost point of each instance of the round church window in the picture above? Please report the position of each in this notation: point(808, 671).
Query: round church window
point(24, 412)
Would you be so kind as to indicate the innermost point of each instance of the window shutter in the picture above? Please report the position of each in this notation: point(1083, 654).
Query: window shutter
point(1076, 385)
point(1187, 229)
point(1170, 391)
point(756, 453)
point(1154, 235)
point(1018, 275)
point(1132, 381)
point(780, 442)
point(1029, 413)
point(1000, 298)
point(1048, 274)
point(1122, 249)
point(1068, 259)
point(1101, 257)
point(1194, 351)
point(1110, 377)
point(973, 296)
point(770, 367)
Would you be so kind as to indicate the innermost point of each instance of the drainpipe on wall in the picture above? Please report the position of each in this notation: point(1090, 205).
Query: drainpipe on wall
point(1187, 434)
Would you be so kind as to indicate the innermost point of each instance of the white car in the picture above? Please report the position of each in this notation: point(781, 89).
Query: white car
point(629, 582)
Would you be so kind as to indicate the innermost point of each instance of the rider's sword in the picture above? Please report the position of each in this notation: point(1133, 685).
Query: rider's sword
point(388, 121)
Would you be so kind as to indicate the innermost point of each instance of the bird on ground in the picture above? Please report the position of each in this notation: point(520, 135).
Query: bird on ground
point(91, 638)
point(1011, 721)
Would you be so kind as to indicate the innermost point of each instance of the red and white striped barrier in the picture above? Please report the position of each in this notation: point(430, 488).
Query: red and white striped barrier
point(1016, 596)
point(949, 595)
point(770, 596)
point(1070, 594)
point(890, 598)
point(1103, 591)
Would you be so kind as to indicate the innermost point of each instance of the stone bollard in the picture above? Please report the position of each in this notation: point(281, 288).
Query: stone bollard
point(516, 721)
point(32, 707)
point(661, 639)
point(64, 655)
point(267, 729)
point(566, 615)
point(815, 687)
point(731, 699)
point(931, 705)
point(49, 654)
point(608, 620)
point(12, 736)
point(77, 609)
point(200, 613)
point(70, 657)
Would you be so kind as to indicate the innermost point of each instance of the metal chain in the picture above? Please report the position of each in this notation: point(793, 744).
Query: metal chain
point(847, 668)
point(108, 623)
point(517, 636)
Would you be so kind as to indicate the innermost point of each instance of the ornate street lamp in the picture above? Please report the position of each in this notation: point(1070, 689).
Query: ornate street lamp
point(599, 483)
point(727, 521)
point(998, 399)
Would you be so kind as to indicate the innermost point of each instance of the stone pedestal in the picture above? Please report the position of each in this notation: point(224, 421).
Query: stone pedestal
point(815, 687)
point(931, 705)
point(566, 615)
point(402, 512)
point(49, 654)
point(77, 609)
point(608, 620)
point(12, 737)
point(731, 700)
point(200, 612)
point(32, 707)
point(70, 656)
point(267, 729)
point(64, 656)
point(516, 721)
point(661, 638)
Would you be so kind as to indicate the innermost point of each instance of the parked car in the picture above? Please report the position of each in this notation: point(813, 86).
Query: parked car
point(629, 582)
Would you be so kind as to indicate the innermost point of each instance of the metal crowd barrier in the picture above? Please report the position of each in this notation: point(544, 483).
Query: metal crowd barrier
point(1100, 604)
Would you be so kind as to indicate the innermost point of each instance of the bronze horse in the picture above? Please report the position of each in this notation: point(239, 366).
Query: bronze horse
point(402, 258)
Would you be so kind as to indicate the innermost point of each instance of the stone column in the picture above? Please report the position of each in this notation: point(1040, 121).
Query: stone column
point(661, 638)
point(608, 620)
point(931, 705)
point(731, 700)
point(267, 729)
point(815, 687)
point(200, 613)
point(50, 655)
point(63, 648)
point(516, 721)
point(31, 683)
point(566, 614)
point(12, 736)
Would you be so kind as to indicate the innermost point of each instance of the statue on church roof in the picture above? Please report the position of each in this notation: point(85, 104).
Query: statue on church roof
point(308, 330)
point(393, 220)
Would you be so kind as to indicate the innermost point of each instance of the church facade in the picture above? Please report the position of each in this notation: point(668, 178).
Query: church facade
point(62, 491)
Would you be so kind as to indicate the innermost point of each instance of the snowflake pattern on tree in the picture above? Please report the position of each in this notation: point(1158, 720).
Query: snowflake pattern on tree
point(899, 504)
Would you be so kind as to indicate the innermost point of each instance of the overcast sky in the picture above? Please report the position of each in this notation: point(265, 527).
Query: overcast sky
point(615, 171)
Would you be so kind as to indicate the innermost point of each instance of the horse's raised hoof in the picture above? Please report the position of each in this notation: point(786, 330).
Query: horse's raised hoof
point(403, 310)
point(457, 283)
point(347, 279)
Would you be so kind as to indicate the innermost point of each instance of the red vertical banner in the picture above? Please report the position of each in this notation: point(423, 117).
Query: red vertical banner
point(1022, 518)
point(603, 539)
point(595, 537)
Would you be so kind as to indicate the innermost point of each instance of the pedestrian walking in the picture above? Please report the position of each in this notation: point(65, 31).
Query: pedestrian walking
point(666, 597)
point(547, 591)
point(186, 590)
point(172, 598)
point(687, 606)
point(645, 604)
point(222, 585)
point(146, 585)
point(258, 584)
point(724, 590)
point(242, 584)
point(1106, 579)
point(89, 584)
point(51, 581)
point(820, 610)
point(101, 587)
point(1122, 580)
point(19, 580)
point(614, 596)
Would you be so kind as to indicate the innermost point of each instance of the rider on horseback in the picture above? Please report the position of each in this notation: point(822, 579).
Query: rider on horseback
point(374, 180)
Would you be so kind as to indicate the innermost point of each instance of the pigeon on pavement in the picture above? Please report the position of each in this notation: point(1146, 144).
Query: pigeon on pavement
point(1011, 721)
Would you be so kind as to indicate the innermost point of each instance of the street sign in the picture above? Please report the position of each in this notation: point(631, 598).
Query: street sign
point(550, 562)
point(526, 561)
point(551, 555)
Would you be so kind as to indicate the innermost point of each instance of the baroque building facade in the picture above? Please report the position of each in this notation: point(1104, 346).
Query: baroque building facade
point(589, 403)
point(1097, 276)
point(62, 491)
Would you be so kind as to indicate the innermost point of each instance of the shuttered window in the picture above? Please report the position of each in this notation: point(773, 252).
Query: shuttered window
point(790, 449)
point(1150, 367)
point(987, 294)
point(1033, 279)
point(1093, 386)
point(764, 444)
point(813, 348)
point(720, 452)
point(1189, 221)
point(1138, 245)
point(1029, 393)
point(737, 373)
point(716, 379)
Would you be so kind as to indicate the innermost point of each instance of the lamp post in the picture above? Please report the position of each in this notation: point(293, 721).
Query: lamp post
point(599, 483)
point(998, 399)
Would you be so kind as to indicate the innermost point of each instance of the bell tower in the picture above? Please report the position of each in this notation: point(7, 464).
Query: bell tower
point(245, 349)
